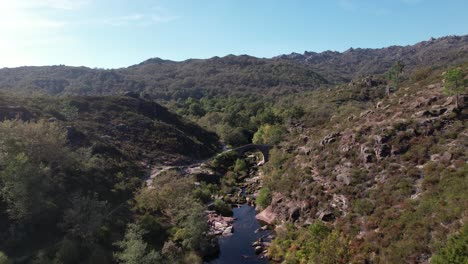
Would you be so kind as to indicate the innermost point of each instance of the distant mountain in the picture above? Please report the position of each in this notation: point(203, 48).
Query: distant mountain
point(231, 74)
point(344, 66)
point(160, 78)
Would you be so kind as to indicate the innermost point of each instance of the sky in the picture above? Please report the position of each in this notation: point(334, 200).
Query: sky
point(120, 33)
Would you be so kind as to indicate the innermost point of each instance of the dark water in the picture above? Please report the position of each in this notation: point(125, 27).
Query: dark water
point(237, 248)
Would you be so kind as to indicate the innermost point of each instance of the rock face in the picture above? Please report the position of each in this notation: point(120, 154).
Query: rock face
point(366, 154)
point(267, 216)
point(330, 138)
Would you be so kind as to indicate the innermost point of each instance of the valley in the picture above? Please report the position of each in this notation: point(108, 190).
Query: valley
point(334, 157)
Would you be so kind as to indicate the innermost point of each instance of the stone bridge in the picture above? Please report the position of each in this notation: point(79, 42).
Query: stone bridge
point(264, 149)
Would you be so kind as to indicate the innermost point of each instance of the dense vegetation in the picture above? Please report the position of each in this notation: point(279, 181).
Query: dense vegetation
point(71, 167)
point(370, 171)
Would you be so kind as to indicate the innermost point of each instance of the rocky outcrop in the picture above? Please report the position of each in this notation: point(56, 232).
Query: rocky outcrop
point(220, 225)
point(330, 138)
point(267, 216)
point(366, 154)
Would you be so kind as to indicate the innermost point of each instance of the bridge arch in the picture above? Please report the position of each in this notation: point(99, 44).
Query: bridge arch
point(264, 149)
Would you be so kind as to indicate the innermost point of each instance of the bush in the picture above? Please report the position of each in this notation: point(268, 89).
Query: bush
point(363, 206)
point(4, 258)
point(240, 166)
point(222, 208)
point(421, 74)
point(456, 250)
point(264, 197)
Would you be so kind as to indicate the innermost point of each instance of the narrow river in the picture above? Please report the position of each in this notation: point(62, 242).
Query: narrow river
point(237, 248)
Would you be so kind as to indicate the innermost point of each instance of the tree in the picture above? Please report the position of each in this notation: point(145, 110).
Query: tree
point(85, 216)
point(33, 157)
point(394, 73)
point(240, 166)
point(269, 134)
point(454, 84)
point(134, 250)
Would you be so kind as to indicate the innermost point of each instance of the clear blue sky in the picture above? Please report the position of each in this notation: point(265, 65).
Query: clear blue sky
point(119, 33)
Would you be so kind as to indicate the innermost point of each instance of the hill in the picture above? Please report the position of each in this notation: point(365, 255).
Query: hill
point(141, 129)
point(340, 67)
point(380, 180)
point(166, 79)
point(233, 75)
point(70, 167)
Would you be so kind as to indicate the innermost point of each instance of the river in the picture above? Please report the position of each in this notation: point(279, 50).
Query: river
point(237, 248)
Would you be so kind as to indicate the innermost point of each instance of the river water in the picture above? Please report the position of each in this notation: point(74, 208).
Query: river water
point(237, 248)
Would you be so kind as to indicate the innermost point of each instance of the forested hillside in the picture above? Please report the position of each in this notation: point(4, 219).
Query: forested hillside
point(69, 168)
point(233, 75)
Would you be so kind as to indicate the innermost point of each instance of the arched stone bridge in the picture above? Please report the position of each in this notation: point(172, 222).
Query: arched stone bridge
point(264, 149)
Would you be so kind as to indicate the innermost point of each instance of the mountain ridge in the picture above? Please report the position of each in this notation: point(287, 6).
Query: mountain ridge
point(233, 74)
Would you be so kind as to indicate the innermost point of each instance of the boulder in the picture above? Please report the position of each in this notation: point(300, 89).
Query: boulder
point(366, 154)
point(344, 178)
point(228, 231)
point(267, 215)
point(446, 157)
point(258, 250)
point(304, 151)
point(329, 138)
point(257, 243)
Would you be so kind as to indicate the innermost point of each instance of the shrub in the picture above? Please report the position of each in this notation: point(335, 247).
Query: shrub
point(4, 258)
point(240, 166)
point(421, 74)
point(363, 206)
point(222, 208)
point(455, 251)
point(264, 197)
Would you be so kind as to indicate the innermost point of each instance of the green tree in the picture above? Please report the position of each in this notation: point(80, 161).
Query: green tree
point(269, 134)
point(454, 84)
point(33, 157)
point(134, 250)
point(394, 73)
point(222, 207)
point(85, 216)
point(240, 166)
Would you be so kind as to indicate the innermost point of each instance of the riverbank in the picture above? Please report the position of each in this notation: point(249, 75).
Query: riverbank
point(241, 238)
